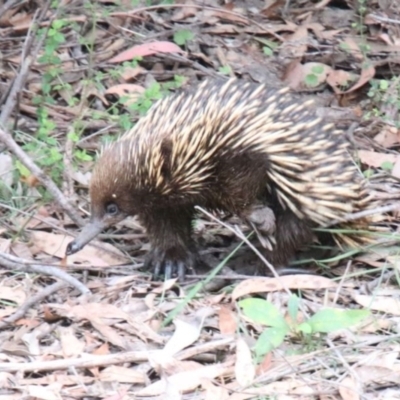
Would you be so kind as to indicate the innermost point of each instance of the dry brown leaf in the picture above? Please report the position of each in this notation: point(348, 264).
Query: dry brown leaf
point(187, 381)
point(260, 285)
point(244, 368)
point(353, 48)
point(185, 334)
point(227, 320)
point(126, 90)
point(5, 245)
point(146, 49)
point(51, 392)
point(129, 73)
point(348, 389)
point(340, 78)
point(115, 373)
point(375, 159)
point(366, 75)
point(296, 78)
point(296, 44)
point(214, 392)
point(70, 344)
point(368, 374)
point(388, 136)
point(291, 387)
point(13, 294)
point(390, 305)
point(55, 245)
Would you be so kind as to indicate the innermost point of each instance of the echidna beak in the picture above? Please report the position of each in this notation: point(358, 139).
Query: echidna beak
point(89, 232)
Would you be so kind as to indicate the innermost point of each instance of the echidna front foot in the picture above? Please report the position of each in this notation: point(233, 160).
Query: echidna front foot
point(170, 263)
point(262, 219)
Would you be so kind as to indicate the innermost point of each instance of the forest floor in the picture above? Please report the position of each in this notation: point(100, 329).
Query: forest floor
point(74, 75)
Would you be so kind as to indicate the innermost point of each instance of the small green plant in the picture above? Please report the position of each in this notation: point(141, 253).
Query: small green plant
point(324, 321)
point(312, 79)
point(225, 70)
point(182, 36)
point(362, 10)
point(384, 92)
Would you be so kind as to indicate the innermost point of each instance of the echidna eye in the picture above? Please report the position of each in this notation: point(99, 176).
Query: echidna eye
point(112, 209)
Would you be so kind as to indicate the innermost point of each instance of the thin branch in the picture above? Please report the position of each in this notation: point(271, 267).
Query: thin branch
point(18, 264)
point(47, 291)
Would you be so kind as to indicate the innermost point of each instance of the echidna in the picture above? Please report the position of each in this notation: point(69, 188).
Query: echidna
point(230, 146)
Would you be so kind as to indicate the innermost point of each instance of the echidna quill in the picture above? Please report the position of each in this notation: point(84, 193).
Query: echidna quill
point(230, 146)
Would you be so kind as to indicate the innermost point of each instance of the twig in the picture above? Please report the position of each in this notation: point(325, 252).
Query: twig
point(91, 361)
point(29, 303)
point(19, 264)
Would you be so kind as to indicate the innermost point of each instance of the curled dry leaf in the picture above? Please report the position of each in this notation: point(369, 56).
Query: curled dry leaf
point(12, 294)
point(375, 159)
point(71, 345)
point(389, 305)
point(298, 76)
point(340, 78)
point(188, 380)
point(55, 245)
point(146, 49)
point(126, 90)
point(349, 389)
point(244, 368)
point(366, 75)
point(259, 285)
point(227, 320)
point(115, 373)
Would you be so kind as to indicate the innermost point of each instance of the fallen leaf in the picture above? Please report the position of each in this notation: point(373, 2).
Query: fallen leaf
point(348, 389)
point(375, 159)
point(227, 320)
point(55, 245)
point(260, 285)
point(389, 305)
point(244, 368)
point(115, 373)
point(146, 49)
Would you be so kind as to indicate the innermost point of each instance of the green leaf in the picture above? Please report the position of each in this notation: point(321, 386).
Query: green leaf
point(293, 307)
point(317, 69)
point(268, 51)
point(262, 312)
point(22, 169)
point(368, 173)
point(387, 165)
point(226, 70)
point(383, 84)
point(332, 319)
point(311, 80)
point(182, 36)
point(305, 327)
point(270, 339)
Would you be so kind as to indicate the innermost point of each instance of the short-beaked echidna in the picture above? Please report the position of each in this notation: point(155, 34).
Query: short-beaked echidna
point(229, 146)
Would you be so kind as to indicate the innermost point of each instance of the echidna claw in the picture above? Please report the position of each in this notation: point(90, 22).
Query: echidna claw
point(262, 219)
point(168, 264)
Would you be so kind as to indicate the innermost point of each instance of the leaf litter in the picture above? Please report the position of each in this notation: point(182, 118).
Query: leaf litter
point(113, 60)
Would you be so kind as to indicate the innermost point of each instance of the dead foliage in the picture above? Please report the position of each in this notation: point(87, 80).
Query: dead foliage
point(74, 73)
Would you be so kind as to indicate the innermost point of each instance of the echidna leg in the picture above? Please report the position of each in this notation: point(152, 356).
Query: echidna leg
point(291, 234)
point(172, 248)
point(262, 219)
